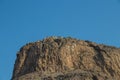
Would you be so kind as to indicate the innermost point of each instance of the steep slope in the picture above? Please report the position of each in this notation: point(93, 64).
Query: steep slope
point(57, 58)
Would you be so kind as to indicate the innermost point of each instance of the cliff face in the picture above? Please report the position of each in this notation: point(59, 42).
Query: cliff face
point(67, 59)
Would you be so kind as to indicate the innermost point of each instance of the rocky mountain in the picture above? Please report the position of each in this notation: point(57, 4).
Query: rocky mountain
point(57, 58)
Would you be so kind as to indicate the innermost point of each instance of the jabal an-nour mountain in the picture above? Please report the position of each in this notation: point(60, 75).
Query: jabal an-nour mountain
point(57, 58)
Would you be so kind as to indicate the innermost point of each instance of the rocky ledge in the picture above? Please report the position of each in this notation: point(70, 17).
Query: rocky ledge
point(57, 58)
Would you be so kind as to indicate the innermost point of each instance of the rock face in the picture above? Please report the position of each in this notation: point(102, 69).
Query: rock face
point(57, 58)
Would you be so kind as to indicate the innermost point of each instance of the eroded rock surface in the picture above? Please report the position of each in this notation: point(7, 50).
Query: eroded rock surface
point(57, 58)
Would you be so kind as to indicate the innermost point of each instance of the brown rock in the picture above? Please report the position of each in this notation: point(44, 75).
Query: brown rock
point(57, 58)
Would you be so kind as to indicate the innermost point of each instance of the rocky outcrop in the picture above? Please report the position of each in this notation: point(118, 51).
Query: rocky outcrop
point(57, 58)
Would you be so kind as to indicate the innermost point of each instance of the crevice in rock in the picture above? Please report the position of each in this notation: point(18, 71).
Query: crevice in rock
point(94, 77)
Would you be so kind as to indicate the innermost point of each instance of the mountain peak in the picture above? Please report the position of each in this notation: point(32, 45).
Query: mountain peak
point(59, 58)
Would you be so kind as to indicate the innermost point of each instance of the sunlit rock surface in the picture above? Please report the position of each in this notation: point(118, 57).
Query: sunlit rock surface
point(57, 58)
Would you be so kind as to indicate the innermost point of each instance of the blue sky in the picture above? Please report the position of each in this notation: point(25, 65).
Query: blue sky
point(23, 21)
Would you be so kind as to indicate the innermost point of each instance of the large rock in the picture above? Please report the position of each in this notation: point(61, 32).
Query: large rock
point(57, 58)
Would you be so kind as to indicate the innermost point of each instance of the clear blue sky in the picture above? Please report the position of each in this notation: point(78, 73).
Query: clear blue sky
point(23, 21)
